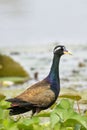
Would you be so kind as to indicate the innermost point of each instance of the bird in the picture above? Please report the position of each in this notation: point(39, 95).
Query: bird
point(44, 93)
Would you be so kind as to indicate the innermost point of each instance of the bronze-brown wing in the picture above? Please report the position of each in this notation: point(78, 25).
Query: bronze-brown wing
point(39, 94)
point(43, 99)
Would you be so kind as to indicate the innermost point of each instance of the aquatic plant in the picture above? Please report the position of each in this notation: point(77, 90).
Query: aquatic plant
point(61, 117)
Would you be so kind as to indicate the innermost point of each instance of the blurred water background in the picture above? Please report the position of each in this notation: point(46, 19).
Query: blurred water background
point(32, 28)
point(38, 59)
point(25, 22)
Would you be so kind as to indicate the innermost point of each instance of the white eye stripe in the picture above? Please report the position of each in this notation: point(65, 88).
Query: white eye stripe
point(57, 49)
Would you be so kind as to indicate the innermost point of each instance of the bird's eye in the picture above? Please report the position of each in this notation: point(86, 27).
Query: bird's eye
point(63, 48)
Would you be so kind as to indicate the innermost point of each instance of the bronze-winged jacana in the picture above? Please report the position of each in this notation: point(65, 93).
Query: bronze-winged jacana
point(44, 93)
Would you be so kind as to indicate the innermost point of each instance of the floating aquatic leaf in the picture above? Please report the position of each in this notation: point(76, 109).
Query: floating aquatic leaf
point(4, 104)
point(54, 119)
point(28, 123)
point(83, 101)
point(43, 114)
point(2, 96)
point(73, 96)
point(77, 127)
point(65, 111)
point(62, 117)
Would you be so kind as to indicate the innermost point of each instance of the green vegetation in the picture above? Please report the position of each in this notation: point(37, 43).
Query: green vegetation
point(61, 117)
point(1, 96)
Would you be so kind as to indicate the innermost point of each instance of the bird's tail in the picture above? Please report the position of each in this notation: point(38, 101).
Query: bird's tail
point(17, 110)
point(18, 106)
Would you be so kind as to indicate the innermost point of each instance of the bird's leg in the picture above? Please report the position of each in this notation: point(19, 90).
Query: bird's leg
point(38, 110)
point(33, 111)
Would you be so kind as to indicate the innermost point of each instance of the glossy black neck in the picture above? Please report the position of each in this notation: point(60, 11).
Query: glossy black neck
point(54, 72)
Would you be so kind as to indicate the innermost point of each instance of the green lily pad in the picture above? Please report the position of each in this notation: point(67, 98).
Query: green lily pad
point(83, 101)
point(73, 96)
point(43, 114)
point(67, 116)
point(2, 96)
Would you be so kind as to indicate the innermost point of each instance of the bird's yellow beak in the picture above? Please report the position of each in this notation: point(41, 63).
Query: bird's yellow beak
point(67, 52)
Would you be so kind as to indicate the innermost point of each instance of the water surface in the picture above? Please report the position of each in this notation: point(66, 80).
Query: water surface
point(73, 68)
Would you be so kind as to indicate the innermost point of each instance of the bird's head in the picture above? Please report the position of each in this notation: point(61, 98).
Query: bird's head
point(60, 50)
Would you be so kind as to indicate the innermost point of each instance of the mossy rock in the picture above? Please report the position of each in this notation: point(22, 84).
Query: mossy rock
point(10, 68)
